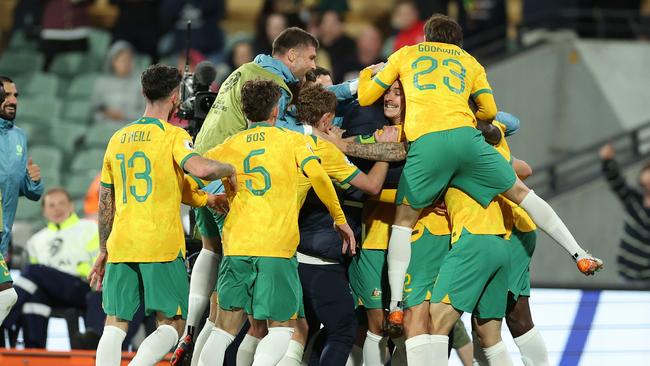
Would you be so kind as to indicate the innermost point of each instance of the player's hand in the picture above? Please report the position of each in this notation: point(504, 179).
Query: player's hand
point(491, 133)
point(183, 353)
point(440, 208)
point(589, 265)
point(376, 68)
point(387, 134)
point(232, 180)
point(218, 202)
point(349, 242)
point(96, 275)
point(334, 135)
point(33, 170)
point(607, 152)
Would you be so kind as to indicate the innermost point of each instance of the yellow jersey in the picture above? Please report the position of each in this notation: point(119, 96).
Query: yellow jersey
point(263, 216)
point(465, 213)
point(437, 79)
point(143, 164)
point(513, 215)
point(334, 162)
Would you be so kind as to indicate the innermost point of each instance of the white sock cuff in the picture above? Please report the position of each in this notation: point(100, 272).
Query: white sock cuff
point(295, 350)
point(224, 333)
point(524, 338)
point(168, 329)
point(281, 330)
point(418, 341)
point(374, 337)
point(208, 252)
point(436, 338)
point(112, 330)
point(249, 343)
point(490, 352)
point(403, 229)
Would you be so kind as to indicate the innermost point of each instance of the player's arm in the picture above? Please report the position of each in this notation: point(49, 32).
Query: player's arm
point(380, 151)
point(208, 169)
point(192, 195)
point(372, 88)
point(612, 173)
point(372, 182)
point(522, 169)
point(483, 97)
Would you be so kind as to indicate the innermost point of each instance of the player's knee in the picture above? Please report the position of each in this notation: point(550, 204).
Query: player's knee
point(517, 324)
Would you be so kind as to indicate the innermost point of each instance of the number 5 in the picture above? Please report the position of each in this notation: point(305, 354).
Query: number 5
point(257, 169)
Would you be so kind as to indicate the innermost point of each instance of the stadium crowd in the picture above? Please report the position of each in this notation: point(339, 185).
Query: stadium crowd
point(285, 272)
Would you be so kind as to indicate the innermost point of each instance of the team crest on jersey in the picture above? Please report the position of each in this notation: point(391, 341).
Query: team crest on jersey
point(376, 293)
point(189, 145)
point(19, 150)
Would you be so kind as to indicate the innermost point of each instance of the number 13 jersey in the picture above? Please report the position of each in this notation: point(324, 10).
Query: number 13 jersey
point(263, 216)
point(438, 79)
point(143, 164)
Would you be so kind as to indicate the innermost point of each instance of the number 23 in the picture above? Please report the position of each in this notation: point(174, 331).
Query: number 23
point(459, 74)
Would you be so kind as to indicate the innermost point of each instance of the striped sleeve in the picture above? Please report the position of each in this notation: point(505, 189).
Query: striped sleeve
point(616, 181)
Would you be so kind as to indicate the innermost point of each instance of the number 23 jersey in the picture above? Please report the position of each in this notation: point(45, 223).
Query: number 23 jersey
point(263, 216)
point(143, 164)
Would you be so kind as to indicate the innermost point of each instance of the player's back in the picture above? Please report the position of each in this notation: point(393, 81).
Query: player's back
point(438, 80)
point(143, 163)
point(263, 216)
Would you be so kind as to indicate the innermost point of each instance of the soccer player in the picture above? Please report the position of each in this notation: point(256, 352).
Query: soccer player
point(319, 259)
point(258, 274)
point(140, 233)
point(446, 150)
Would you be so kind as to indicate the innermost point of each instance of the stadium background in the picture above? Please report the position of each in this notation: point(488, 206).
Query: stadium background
point(574, 72)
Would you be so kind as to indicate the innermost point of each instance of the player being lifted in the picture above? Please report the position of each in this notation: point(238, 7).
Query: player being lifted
point(141, 237)
point(258, 273)
point(439, 77)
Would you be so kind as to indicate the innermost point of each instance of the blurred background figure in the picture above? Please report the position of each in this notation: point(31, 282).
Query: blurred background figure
point(60, 258)
point(338, 45)
point(116, 94)
point(138, 23)
point(406, 19)
point(369, 44)
point(268, 28)
point(65, 28)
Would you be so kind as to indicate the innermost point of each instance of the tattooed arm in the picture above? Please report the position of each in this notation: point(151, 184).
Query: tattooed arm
point(106, 216)
point(380, 151)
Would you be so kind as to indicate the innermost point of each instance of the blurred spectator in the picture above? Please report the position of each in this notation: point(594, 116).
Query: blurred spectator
point(268, 28)
point(19, 176)
point(206, 35)
point(66, 27)
point(91, 201)
point(370, 42)
point(340, 47)
point(116, 95)
point(406, 19)
point(240, 53)
point(290, 8)
point(634, 252)
point(138, 24)
point(60, 257)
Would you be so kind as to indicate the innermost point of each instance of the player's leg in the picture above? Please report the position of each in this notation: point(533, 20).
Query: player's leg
point(233, 289)
point(255, 333)
point(199, 343)
point(427, 173)
point(462, 343)
point(485, 173)
point(121, 300)
point(488, 332)
point(297, 344)
point(8, 295)
point(518, 317)
point(367, 273)
point(427, 253)
point(165, 292)
point(277, 295)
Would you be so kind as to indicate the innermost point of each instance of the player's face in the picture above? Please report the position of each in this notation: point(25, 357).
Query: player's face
point(302, 60)
point(393, 103)
point(57, 207)
point(10, 105)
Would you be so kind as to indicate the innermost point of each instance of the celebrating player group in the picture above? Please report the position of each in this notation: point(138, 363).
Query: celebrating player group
point(347, 224)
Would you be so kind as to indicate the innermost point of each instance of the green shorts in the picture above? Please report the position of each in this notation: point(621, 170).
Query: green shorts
point(460, 158)
point(522, 246)
point(164, 287)
point(427, 253)
point(209, 223)
point(474, 276)
point(368, 274)
point(267, 288)
point(5, 276)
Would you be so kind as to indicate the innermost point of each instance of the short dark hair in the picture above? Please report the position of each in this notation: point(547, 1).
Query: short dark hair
point(293, 37)
point(258, 97)
point(313, 102)
point(159, 81)
point(6, 79)
point(312, 75)
point(443, 29)
point(51, 191)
